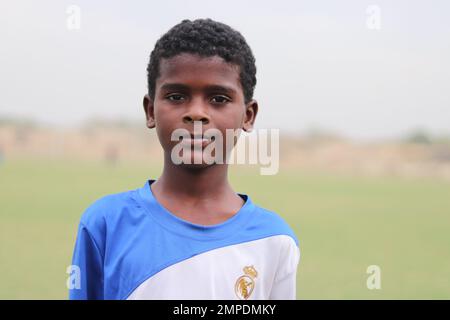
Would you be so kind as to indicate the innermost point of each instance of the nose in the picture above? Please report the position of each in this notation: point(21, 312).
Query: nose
point(196, 112)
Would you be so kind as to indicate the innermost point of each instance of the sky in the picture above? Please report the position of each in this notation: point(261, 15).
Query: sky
point(327, 65)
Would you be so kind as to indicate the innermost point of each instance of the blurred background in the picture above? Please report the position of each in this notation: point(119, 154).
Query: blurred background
point(360, 91)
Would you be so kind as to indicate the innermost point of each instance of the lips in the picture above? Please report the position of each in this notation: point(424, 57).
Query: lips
point(197, 140)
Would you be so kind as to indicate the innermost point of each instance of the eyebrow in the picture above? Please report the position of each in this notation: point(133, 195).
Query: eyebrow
point(183, 87)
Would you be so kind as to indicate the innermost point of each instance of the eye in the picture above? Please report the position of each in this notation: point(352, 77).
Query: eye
point(220, 99)
point(175, 97)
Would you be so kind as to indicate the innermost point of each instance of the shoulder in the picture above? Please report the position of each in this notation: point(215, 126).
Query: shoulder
point(104, 209)
point(286, 241)
point(272, 224)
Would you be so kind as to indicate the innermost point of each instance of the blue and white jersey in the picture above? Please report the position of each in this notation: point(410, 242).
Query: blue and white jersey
point(130, 247)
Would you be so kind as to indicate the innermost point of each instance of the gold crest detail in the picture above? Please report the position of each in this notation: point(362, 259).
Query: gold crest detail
point(246, 283)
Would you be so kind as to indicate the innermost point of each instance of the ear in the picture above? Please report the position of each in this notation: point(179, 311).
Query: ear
point(149, 109)
point(251, 110)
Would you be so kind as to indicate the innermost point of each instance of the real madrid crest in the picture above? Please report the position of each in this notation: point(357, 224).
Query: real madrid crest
point(246, 283)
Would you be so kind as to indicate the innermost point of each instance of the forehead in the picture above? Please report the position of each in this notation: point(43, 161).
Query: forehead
point(197, 71)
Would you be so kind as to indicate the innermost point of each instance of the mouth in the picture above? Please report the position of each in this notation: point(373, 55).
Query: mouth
point(197, 140)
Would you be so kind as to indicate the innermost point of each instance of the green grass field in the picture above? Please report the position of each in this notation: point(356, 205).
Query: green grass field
point(344, 224)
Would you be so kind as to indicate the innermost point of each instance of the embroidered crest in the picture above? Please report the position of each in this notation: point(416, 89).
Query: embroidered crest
point(246, 283)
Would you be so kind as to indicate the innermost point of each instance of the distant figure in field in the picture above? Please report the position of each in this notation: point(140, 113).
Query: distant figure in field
point(112, 154)
point(2, 157)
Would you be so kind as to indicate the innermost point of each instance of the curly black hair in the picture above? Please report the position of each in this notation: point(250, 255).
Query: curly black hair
point(206, 38)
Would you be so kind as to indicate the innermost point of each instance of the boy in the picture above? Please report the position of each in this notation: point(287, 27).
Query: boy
point(188, 235)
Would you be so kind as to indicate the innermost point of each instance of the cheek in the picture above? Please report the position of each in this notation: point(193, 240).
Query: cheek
point(164, 126)
point(229, 126)
point(165, 118)
point(230, 120)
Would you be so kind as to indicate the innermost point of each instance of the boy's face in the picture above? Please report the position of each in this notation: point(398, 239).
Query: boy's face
point(193, 88)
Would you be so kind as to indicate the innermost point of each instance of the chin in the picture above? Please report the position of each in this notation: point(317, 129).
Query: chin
point(196, 166)
point(194, 161)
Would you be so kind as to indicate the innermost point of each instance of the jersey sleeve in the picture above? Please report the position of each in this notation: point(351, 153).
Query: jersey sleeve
point(86, 279)
point(285, 283)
